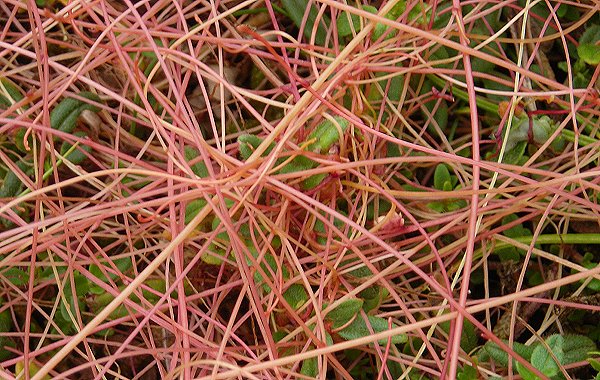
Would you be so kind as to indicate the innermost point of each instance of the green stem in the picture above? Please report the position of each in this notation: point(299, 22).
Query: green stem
point(558, 239)
point(461, 94)
point(574, 239)
point(583, 140)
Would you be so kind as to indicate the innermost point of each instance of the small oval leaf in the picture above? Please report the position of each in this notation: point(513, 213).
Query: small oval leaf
point(247, 144)
point(64, 116)
point(296, 296)
point(576, 348)
point(358, 329)
point(344, 312)
point(199, 168)
point(441, 176)
point(76, 155)
point(327, 133)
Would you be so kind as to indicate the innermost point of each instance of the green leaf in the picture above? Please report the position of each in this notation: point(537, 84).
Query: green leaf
point(468, 338)
point(248, 143)
point(327, 133)
point(12, 185)
point(381, 29)
point(456, 204)
point(594, 363)
point(576, 348)
point(123, 264)
point(344, 312)
point(296, 296)
point(214, 257)
point(515, 231)
point(541, 128)
point(82, 286)
point(157, 284)
point(298, 164)
point(33, 370)
point(199, 168)
point(220, 242)
point(19, 138)
point(441, 112)
point(270, 268)
point(501, 357)
point(437, 206)
point(100, 301)
point(76, 156)
point(16, 276)
point(361, 272)
point(542, 360)
point(324, 136)
point(193, 208)
point(516, 155)
point(64, 116)
point(383, 206)
point(525, 373)
point(328, 339)
point(373, 297)
point(441, 176)
point(313, 181)
point(467, 373)
point(593, 285)
point(518, 132)
point(587, 50)
point(345, 19)
point(534, 278)
point(398, 9)
point(589, 53)
point(393, 150)
point(376, 92)
point(9, 93)
point(322, 232)
point(563, 66)
point(358, 329)
point(279, 335)
point(296, 9)
point(310, 367)
point(510, 252)
point(581, 80)
point(440, 115)
point(6, 326)
point(478, 64)
point(568, 12)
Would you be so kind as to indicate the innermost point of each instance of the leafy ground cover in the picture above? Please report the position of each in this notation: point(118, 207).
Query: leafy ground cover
point(299, 189)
